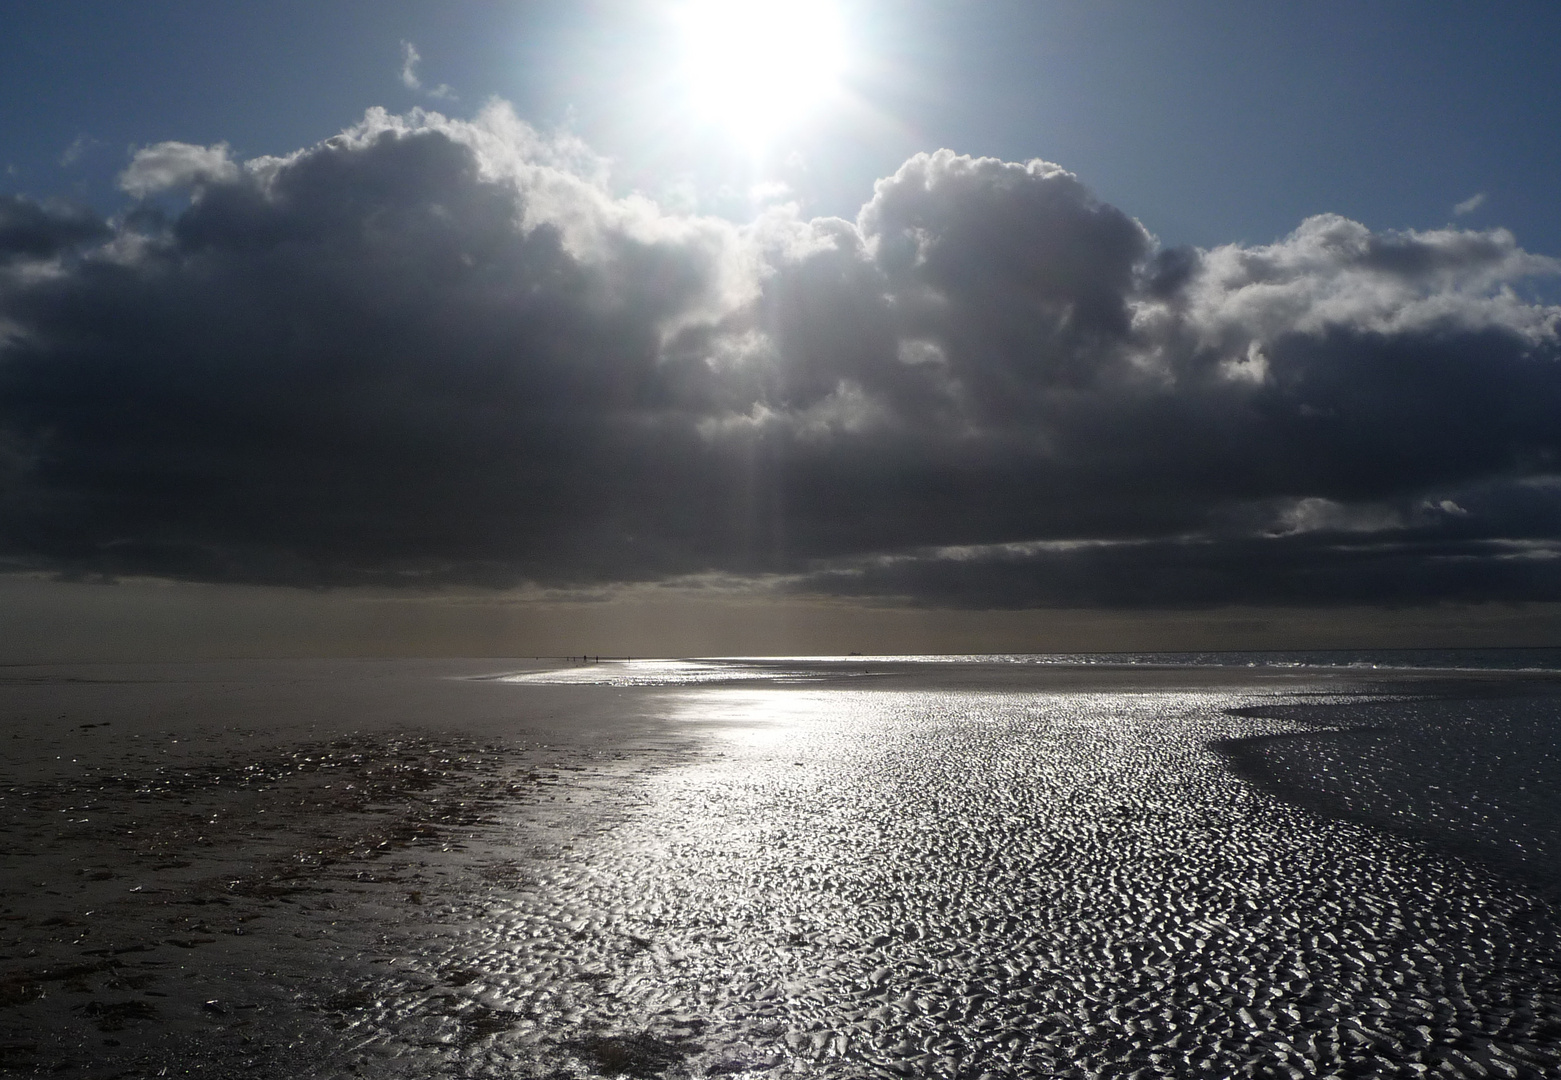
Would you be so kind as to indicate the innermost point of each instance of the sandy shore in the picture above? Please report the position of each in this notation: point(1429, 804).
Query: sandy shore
point(193, 852)
point(426, 868)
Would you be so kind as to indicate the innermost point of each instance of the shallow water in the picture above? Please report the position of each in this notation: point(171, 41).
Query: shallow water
point(1475, 774)
point(837, 880)
point(968, 884)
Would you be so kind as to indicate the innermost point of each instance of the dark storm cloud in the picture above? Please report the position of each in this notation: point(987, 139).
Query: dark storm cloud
point(40, 230)
point(432, 351)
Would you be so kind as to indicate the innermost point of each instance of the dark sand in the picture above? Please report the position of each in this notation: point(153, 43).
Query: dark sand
point(405, 869)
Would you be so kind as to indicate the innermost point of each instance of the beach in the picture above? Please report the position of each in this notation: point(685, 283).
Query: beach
point(848, 867)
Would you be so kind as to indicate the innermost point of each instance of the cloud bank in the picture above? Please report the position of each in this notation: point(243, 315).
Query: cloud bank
point(435, 352)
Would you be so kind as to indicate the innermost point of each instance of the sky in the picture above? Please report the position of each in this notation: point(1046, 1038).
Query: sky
point(685, 326)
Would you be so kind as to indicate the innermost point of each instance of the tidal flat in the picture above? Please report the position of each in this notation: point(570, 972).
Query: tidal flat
point(812, 868)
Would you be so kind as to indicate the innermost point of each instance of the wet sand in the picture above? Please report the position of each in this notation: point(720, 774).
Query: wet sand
point(855, 869)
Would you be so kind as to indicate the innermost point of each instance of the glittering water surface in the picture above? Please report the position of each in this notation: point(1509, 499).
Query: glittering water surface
point(841, 880)
point(657, 673)
point(967, 884)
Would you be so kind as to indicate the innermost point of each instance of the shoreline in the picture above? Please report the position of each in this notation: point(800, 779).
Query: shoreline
point(1475, 774)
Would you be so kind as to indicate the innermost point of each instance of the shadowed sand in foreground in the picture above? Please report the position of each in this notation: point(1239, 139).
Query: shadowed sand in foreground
point(848, 868)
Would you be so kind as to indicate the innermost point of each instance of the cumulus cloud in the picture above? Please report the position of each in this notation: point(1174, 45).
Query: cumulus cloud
point(432, 351)
point(172, 165)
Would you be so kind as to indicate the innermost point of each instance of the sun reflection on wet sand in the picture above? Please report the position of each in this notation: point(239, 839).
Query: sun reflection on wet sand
point(842, 878)
point(753, 719)
point(950, 884)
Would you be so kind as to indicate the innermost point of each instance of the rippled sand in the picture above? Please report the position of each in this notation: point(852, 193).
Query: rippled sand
point(820, 871)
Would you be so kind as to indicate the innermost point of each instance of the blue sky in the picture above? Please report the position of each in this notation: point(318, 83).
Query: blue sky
point(1211, 122)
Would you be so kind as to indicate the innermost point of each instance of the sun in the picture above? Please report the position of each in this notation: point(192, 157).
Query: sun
point(757, 67)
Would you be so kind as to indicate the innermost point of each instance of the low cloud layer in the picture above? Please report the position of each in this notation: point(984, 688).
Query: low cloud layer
point(431, 351)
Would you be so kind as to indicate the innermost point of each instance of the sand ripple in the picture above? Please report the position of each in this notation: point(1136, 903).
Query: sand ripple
point(969, 885)
point(874, 883)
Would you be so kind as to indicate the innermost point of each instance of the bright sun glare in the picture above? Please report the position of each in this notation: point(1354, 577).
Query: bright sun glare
point(756, 66)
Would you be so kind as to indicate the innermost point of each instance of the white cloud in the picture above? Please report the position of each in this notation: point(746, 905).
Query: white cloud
point(1470, 205)
point(1325, 515)
point(920, 351)
point(1252, 368)
point(410, 58)
point(409, 61)
point(770, 191)
point(169, 165)
point(78, 148)
point(1333, 273)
